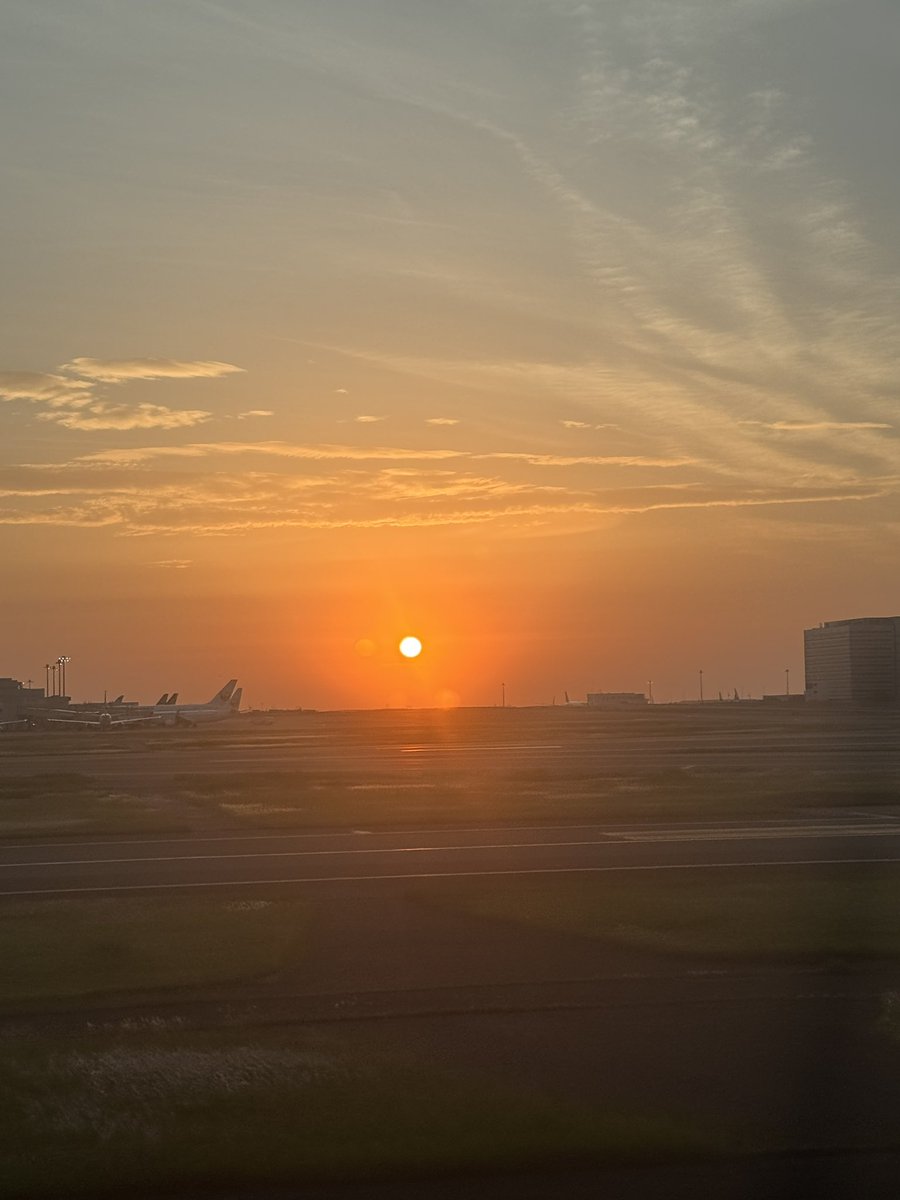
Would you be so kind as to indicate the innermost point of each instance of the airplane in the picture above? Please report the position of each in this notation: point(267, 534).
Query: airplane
point(99, 719)
point(165, 698)
point(225, 703)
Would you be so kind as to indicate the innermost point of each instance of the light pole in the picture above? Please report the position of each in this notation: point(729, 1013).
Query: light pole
point(787, 681)
point(650, 691)
point(503, 695)
point(47, 680)
point(53, 675)
point(61, 663)
point(701, 686)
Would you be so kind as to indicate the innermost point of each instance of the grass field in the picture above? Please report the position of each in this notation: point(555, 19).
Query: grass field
point(76, 951)
point(71, 950)
point(69, 805)
point(150, 1112)
point(790, 918)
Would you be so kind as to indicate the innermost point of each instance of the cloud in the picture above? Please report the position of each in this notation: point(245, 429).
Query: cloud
point(172, 564)
point(328, 451)
point(339, 391)
point(365, 419)
point(590, 460)
point(54, 390)
point(75, 403)
point(102, 415)
point(441, 421)
point(112, 370)
point(817, 426)
point(589, 425)
point(207, 506)
point(255, 412)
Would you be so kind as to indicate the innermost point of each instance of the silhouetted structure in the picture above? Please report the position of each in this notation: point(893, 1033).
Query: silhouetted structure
point(16, 699)
point(853, 662)
point(616, 699)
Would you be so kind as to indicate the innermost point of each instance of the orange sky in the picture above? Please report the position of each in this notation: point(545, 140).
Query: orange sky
point(562, 336)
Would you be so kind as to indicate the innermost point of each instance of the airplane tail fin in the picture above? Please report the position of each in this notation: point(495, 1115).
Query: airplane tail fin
point(173, 699)
point(235, 702)
point(222, 697)
point(566, 694)
point(118, 700)
point(164, 698)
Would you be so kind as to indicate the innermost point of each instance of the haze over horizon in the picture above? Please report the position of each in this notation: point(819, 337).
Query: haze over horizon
point(561, 335)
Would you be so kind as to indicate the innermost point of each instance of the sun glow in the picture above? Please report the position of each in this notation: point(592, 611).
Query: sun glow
point(410, 647)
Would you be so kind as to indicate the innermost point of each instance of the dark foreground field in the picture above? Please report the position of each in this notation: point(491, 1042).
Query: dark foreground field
point(429, 954)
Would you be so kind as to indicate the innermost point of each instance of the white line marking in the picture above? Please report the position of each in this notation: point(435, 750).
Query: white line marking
point(94, 862)
point(623, 841)
point(222, 883)
point(612, 831)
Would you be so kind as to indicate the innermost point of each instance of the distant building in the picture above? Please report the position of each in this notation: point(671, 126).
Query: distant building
point(616, 699)
point(853, 662)
point(16, 699)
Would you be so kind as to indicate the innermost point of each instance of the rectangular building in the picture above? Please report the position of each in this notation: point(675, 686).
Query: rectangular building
point(616, 699)
point(853, 662)
point(16, 699)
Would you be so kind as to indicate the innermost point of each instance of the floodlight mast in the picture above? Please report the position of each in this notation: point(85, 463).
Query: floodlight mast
point(61, 663)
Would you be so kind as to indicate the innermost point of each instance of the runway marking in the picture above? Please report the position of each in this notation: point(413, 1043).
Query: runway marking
point(427, 749)
point(614, 832)
point(611, 840)
point(235, 883)
point(865, 831)
point(749, 835)
point(94, 862)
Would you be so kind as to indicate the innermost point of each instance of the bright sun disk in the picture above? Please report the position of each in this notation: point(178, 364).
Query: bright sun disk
point(410, 647)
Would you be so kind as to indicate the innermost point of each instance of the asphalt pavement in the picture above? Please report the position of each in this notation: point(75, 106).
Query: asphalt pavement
point(347, 858)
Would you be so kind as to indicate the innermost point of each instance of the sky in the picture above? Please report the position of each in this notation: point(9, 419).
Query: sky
point(561, 335)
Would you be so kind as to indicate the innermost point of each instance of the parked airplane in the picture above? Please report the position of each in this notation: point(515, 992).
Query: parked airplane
point(225, 703)
point(99, 719)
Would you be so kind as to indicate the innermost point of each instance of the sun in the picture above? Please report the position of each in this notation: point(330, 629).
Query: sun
point(410, 647)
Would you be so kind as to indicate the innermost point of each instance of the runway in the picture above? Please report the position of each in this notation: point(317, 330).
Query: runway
point(488, 743)
point(360, 857)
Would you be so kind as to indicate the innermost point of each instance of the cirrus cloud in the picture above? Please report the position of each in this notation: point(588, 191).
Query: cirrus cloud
point(102, 415)
point(120, 370)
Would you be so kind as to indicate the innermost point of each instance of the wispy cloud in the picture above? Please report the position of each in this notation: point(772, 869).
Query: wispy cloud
point(255, 412)
point(229, 488)
point(102, 415)
point(54, 390)
point(367, 419)
point(79, 404)
point(818, 426)
point(441, 421)
point(204, 506)
point(332, 452)
point(120, 370)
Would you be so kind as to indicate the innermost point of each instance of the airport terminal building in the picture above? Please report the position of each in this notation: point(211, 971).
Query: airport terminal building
point(853, 662)
point(16, 699)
